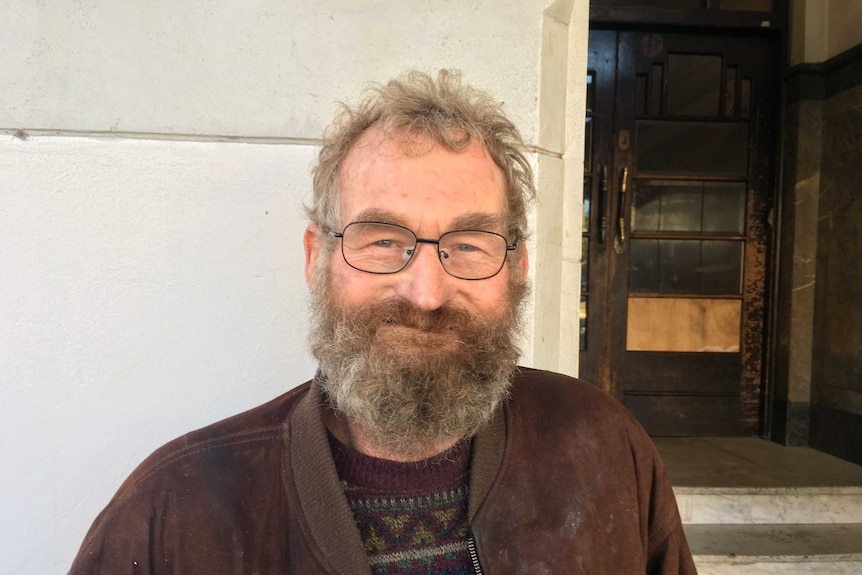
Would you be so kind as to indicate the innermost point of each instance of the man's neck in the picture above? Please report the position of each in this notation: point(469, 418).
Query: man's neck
point(353, 434)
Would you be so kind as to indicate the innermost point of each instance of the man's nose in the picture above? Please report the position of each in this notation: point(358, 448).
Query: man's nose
point(424, 282)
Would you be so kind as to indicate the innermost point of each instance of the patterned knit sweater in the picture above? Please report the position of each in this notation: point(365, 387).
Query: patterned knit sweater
point(412, 516)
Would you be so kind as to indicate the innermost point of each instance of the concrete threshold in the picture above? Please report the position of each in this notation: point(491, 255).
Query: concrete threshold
point(822, 549)
point(770, 505)
point(752, 507)
point(777, 542)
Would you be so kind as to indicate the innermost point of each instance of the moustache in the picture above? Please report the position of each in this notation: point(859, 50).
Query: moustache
point(403, 314)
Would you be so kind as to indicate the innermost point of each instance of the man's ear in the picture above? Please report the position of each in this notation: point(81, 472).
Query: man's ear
point(311, 240)
point(523, 262)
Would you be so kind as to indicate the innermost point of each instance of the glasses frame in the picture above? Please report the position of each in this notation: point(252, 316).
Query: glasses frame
point(509, 248)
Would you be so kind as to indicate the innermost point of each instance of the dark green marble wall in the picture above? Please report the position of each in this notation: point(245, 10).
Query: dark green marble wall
point(817, 391)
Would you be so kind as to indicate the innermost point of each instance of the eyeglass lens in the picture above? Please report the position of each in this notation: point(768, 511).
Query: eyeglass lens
point(387, 248)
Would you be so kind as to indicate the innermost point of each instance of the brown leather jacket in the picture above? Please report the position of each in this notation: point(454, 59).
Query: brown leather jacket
point(563, 481)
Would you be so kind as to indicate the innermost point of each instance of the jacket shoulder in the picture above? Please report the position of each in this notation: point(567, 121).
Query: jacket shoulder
point(227, 469)
point(262, 423)
point(545, 394)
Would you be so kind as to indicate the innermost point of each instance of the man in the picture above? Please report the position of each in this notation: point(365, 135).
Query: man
point(419, 447)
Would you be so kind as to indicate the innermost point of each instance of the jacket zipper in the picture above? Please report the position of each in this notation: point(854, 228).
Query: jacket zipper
point(474, 556)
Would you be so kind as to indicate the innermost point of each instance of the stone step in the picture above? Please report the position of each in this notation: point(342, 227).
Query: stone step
point(819, 549)
point(770, 505)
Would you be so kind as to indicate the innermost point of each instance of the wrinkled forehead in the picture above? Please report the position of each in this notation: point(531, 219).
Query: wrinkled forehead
point(398, 171)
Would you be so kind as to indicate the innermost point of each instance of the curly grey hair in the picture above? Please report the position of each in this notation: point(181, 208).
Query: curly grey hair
point(418, 106)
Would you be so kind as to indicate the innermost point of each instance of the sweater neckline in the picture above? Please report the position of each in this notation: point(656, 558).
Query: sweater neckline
point(439, 472)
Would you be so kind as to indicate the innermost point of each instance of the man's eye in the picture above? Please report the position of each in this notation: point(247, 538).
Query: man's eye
point(466, 248)
point(384, 243)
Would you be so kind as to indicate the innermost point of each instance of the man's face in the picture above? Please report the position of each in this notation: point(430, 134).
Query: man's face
point(415, 356)
point(430, 190)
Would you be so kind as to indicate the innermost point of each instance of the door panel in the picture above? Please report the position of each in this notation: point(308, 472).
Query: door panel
point(678, 180)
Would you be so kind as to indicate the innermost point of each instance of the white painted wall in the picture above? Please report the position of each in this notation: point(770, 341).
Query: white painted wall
point(560, 177)
point(248, 67)
point(151, 271)
point(147, 288)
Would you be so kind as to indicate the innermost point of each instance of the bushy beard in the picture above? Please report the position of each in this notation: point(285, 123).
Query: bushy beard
point(412, 378)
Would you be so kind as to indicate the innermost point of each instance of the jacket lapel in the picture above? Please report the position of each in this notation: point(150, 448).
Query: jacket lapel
point(488, 447)
point(324, 505)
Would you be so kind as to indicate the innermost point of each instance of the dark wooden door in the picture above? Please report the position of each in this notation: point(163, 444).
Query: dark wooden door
point(677, 197)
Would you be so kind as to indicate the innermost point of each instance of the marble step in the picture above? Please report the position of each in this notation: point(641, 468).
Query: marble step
point(770, 505)
point(819, 549)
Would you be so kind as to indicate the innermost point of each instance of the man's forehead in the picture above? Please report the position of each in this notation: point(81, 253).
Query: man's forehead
point(394, 175)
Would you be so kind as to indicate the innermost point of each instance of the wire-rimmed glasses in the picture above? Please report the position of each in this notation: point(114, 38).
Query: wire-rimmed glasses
point(381, 248)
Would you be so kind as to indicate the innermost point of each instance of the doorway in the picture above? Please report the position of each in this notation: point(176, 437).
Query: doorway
point(678, 196)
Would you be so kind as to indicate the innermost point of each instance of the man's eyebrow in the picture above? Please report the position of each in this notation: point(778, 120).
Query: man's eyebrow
point(468, 221)
point(479, 221)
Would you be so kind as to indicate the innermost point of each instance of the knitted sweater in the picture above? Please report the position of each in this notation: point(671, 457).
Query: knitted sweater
point(412, 516)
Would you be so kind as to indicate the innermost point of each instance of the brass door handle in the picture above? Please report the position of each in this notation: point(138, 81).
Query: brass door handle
point(619, 246)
